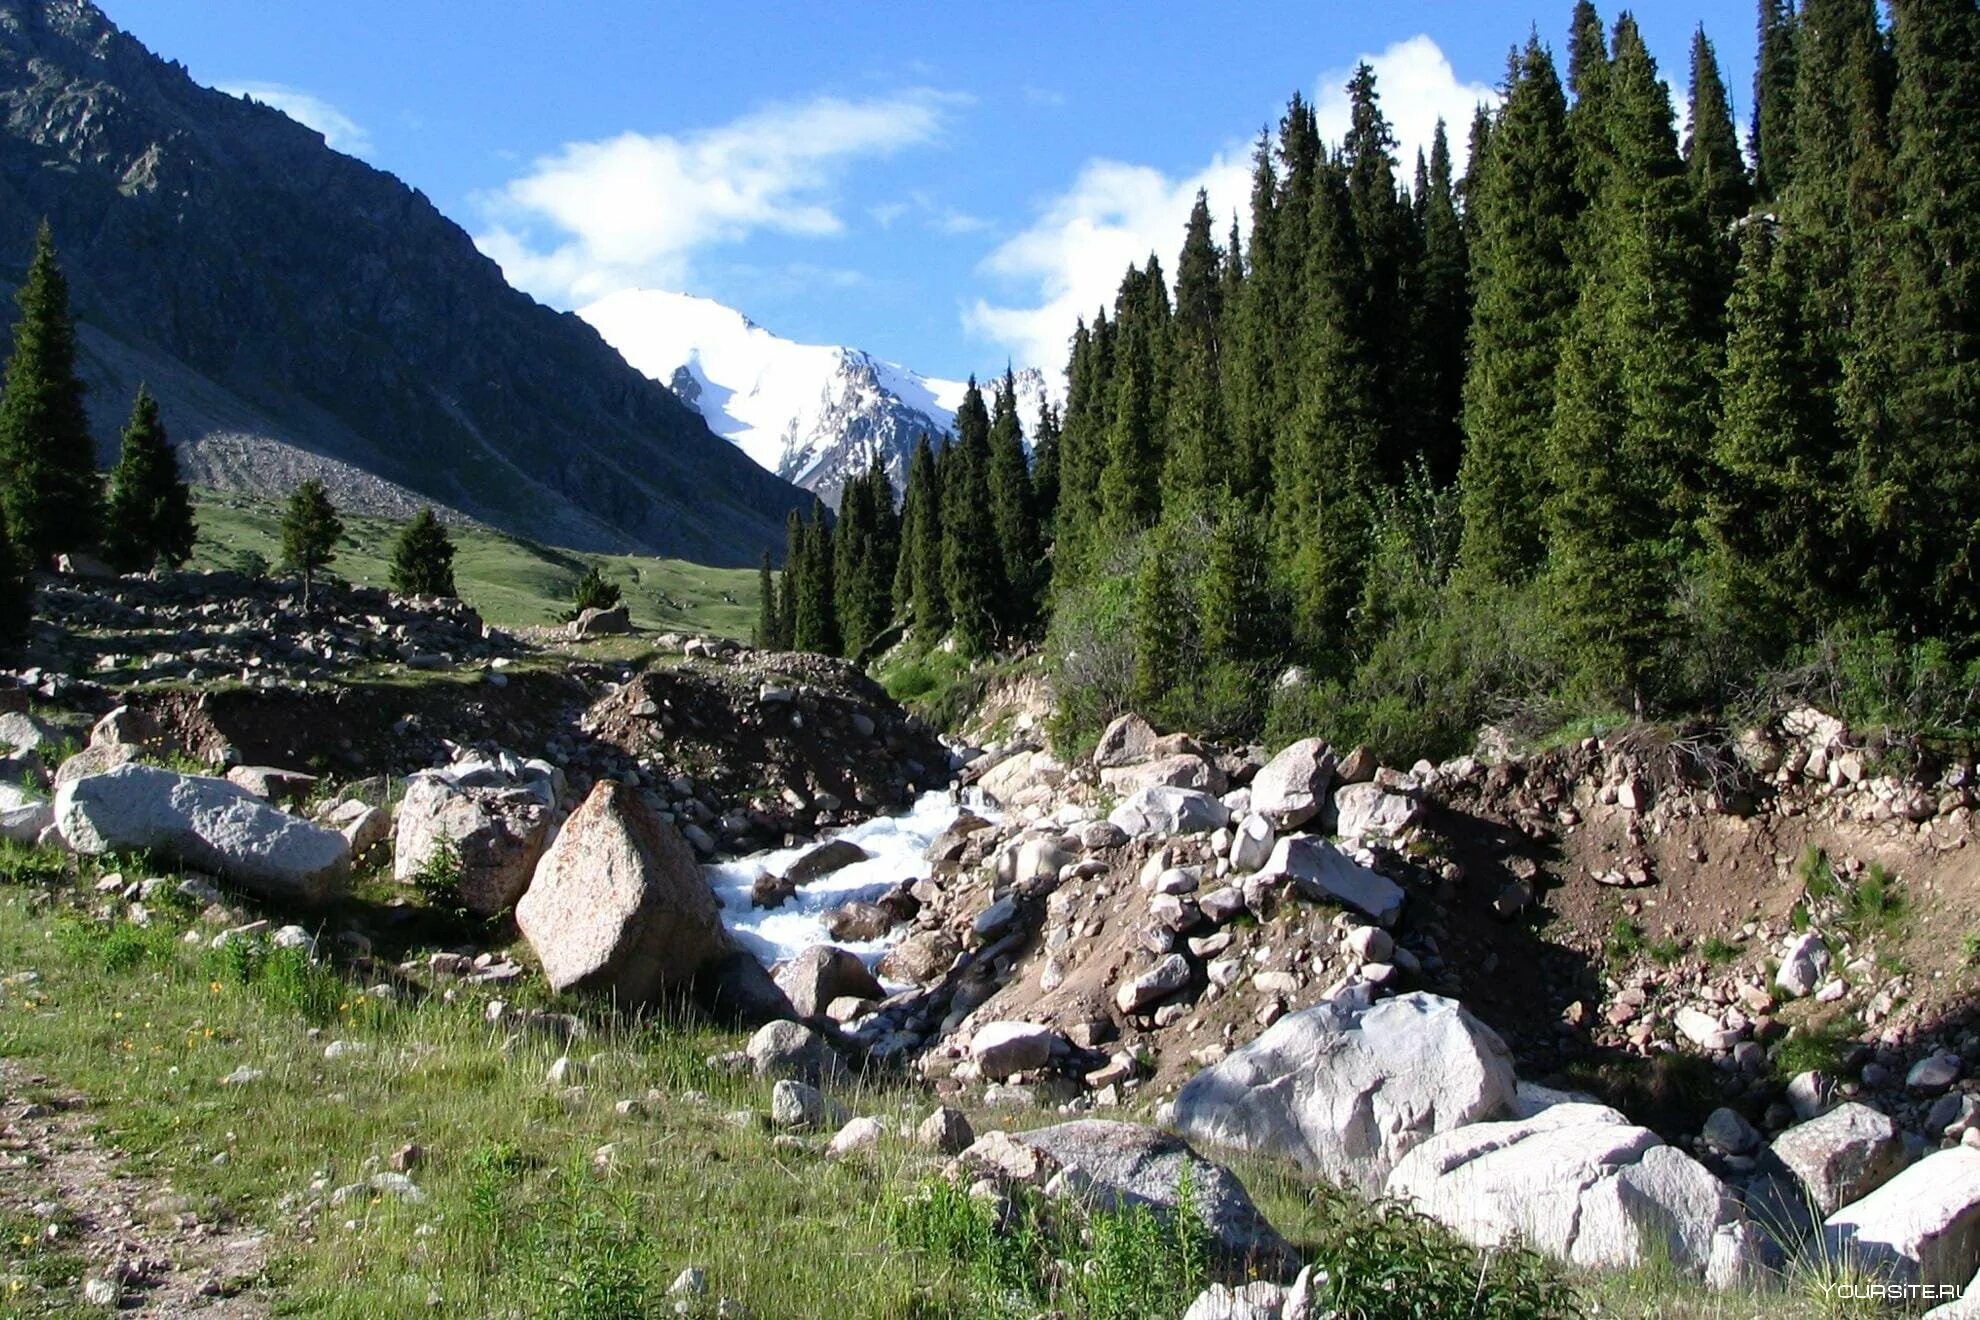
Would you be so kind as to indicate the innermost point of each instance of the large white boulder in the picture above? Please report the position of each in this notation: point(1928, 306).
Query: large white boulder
point(1348, 1091)
point(1830, 1161)
point(207, 824)
point(1127, 741)
point(1577, 1181)
point(1369, 813)
point(1014, 776)
point(618, 906)
point(1292, 786)
point(1922, 1226)
point(1804, 965)
point(1180, 771)
point(497, 833)
point(1323, 873)
point(24, 816)
point(1169, 811)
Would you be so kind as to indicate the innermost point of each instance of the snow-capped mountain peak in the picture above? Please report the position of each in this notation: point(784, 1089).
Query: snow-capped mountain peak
point(814, 414)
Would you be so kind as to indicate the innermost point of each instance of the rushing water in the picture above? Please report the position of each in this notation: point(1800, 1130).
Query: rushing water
point(895, 845)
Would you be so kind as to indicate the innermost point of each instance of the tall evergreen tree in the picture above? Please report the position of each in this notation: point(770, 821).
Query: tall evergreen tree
point(1774, 79)
point(422, 557)
point(1013, 509)
point(972, 567)
point(1386, 245)
point(918, 589)
point(1254, 340)
point(1161, 621)
point(48, 485)
point(1130, 481)
point(769, 634)
point(1711, 145)
point(1523, 286)
point(1440, 316)
point(310, 528)
point(148, 516)
point(861, 600)
point(1045, 470)
point(1588, 82)
point(787, 583)
point(814, 618)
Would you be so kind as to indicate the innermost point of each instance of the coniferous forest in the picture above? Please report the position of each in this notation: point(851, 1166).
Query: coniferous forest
point(1618, 421)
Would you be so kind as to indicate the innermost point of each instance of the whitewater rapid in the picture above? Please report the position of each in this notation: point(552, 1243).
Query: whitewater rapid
point(895, 845)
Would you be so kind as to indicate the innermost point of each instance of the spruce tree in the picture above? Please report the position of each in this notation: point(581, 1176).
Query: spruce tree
point(423, 558)
point(1130, 481)
point(1440, 317)
point(1045, 470)
point(1523, 291)
point(148, 516)
point(1385, 244)
point(49, 491)
point(1235, 597)
point(972, 571)
point(918, 589)
point(814, 617)
point(1014, 513)
point(310, 528)
point(787, 583)
point(769, 623)
point(1711, 146)
point(1772, 138)
point(1588, 81)
point(1161, 623)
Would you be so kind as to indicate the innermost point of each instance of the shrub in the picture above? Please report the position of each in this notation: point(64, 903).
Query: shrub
point(592, 592)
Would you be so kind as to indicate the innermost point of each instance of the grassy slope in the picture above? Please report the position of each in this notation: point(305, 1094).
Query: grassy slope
point(512, 582)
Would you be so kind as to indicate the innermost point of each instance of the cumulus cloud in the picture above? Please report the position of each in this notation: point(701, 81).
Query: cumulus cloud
point(1418, 87)
point(595, 217)
point(339, 130)
point(1069, 261)
point(1072, 257)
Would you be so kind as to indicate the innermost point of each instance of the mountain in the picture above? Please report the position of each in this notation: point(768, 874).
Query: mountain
point(300, 312)
point(814, 414)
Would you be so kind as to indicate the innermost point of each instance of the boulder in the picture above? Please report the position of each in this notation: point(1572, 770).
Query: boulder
point(1291, 788)
point(821, 974)
point(735, 988)
point(1165, 978)
point(1154, 811)
point(1002, 1049)
point(362, 825)
point(287, 787)
point(791, 1049)
point(1113, 1166)
point(1804, 965)
point(1830, 1161)
point(946, 1131)
point(1124, 742)
point(24, 816)
point(22, 732)
point(618, 906)
point(1727, 1132)
point(823, 860)
point(599, 623)
point(1964, 1306)
point(921, 957)
point(97, 759)
point(1347, 1091)
point(858, 921)
point(207, 824)
point(1576, 1181)
point(1369, 813)
point(1323, 873)
point(1184, 771)
point(1923, 1226)
point(1005, 781)
point(498, 836)
point(796, 1104)
point(1251, 844)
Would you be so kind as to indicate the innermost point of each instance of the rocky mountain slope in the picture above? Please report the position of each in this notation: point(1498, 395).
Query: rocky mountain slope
point(814, 414)
point(301, 313)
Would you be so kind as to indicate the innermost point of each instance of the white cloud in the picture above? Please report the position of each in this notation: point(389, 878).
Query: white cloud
point(634, 209)
point(1074, 254)
point(1070, 260)
point(1418, 86)
point(338, 129)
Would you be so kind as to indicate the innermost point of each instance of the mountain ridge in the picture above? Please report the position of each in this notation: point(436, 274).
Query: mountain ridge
point(307, 305)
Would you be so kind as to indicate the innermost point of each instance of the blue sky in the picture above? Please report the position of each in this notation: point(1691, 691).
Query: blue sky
point(943, 185)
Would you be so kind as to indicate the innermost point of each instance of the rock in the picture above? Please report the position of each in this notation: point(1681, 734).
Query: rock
point(948, 845)
point(24, 819)
point(1124, 742)
point(1347, 1091)
point(690, 1282)
point(821, 974)
point(1357, 767)
point(1251, 846)
point(823, 860)
point(363, 826)
point(796, 1104)
point(497, 835)
point(1923, 1226)
point(1371, 813)
point(1037, 863)
point(1169, 811)
point(1966, 1306)
point(1184, 771)
point(22, 732)
point(208, 824)
point(285, 787)
point(1114, 1166)
point(1828, 1162)
point(97, 759)
point(1727, 1132)
point(857, 1135)
point(1934, 1073)
point(1742, 1256)
point(858, 922)
point(1014, 775)
point(1703, 1030)
point(921, 957)
point(1810, 1094)
point(1291, 787)
point(1576, 1181)
point(1003, 1049)
point(618, 906)
point(1157, 983)
point(1324, 873)
point(946, 1131)
point(735, 988)
point(1261, 1299)
point(793, 1050)
point(1804, 965)
point(599, 623)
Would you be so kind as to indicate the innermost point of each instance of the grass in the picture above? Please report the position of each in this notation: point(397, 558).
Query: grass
point(1625, 939)
point(1969, 949)
point(512, 582)
point(1816, 1046)
point(1717, 952)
